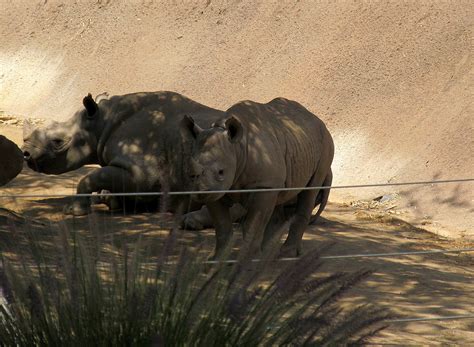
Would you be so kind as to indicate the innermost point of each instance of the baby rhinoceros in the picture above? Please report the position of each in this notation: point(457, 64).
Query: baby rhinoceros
point(275, 145)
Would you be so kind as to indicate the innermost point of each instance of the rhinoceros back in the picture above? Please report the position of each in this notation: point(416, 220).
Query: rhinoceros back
point(286, 144)
point(141, 130)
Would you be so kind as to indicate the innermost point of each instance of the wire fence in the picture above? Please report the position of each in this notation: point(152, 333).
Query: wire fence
point(426, 319)
point(240, 191)
point(354, 256)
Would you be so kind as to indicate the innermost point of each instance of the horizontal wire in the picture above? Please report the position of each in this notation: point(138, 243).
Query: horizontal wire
point(330, 257)
point(239, 191)
point(396, 254)
point(404, 320)
point(348, 256)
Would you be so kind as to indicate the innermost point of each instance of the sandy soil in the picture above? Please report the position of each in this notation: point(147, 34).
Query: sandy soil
point(392, 80)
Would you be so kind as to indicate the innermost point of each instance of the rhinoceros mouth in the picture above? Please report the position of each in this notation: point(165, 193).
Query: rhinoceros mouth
point(40, 165)
point(35, 165)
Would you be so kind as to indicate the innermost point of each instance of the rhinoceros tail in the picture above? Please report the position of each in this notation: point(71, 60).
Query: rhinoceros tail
point(322, 198)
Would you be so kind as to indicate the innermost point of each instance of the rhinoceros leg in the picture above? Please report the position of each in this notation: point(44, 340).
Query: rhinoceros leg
point(260, 209)
point(201, 219)
point(275, 227)
point(109, 178)
point(301, 218)
point(220, 215)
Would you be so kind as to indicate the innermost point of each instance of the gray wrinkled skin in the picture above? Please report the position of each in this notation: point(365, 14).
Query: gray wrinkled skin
point(11, 161)
point(273, 145)
point(134, 137)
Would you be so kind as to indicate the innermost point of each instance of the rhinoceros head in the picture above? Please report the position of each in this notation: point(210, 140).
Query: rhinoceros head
point(214, 160)
point(64, 146)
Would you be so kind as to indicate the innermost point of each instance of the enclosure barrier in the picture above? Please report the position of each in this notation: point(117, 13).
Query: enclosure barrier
point(331, 257)
point(240, 191)
point(441, 318)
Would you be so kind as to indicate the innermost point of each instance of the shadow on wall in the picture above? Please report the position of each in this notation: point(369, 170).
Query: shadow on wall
point(456, 196)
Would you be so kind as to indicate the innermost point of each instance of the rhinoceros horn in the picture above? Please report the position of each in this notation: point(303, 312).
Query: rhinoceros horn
point(28, 128)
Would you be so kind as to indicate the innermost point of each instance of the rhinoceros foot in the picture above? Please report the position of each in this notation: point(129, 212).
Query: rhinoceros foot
point(197, 220)
point(77, 208)
point(289, 251)
point(114, 203)
point(191, 222)
point(219, 256)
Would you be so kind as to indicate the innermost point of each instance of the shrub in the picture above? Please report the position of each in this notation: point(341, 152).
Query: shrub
point(90, 299)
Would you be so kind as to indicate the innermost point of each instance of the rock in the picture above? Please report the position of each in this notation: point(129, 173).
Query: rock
point(11, 160)
point(12, 121)
point(385, 198)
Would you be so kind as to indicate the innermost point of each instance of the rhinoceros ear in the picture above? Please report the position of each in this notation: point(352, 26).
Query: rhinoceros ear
point(188, 128)
point(90, 105)
point(234, 129)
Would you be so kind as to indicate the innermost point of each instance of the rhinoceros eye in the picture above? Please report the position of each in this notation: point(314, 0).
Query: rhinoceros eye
point(220, 175)
point(58, 143)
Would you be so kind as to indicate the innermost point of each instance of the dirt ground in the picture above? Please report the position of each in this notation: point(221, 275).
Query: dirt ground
point(392, 80)
point(416, 286)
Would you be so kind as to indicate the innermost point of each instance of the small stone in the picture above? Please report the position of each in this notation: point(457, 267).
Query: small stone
point(386, 197)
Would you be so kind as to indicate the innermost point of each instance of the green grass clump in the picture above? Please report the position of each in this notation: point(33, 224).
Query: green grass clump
point(86, 298)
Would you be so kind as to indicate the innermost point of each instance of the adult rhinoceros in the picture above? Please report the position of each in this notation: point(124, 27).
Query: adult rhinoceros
point(134, 137)
point(275, 145)
point(11, 161)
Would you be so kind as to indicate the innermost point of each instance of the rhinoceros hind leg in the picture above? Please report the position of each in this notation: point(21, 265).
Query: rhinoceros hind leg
point(304, 207)
point(110, 178)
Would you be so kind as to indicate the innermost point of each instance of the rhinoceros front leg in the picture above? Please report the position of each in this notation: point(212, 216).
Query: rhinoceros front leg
point(111, 178)
point(220, 215)
point(260, 208)
point(277, 224)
